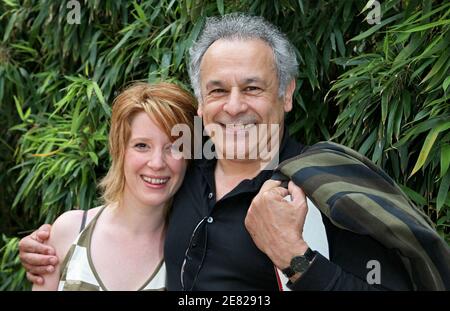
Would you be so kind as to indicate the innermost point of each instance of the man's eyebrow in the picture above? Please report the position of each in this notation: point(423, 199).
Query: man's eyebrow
point(213, 83)
point(250, 80)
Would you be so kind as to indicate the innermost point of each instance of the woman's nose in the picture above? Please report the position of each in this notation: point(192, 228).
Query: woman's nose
point(157, 160)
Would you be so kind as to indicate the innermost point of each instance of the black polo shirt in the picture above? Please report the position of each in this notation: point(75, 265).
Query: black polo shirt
point(222, 256)
point(231, 261)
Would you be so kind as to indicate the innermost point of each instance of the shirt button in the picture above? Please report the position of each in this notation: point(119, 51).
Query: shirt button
point(210, 219)
point(210, 195)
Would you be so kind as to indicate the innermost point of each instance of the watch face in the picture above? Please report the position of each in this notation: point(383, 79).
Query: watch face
point(300, 264)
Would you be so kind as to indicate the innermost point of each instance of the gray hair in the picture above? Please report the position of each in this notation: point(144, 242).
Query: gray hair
point(241, 26)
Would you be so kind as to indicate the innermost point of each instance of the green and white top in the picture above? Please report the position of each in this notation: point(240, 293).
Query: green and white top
point(79, 273)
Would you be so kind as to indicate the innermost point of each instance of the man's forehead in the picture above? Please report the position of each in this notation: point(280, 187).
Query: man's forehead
point(229, 42)
point(224, 53)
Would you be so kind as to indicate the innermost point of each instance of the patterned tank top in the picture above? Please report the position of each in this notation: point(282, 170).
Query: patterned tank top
point(79, 274)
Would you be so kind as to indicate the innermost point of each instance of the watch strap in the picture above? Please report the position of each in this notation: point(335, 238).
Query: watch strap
point(309, 255)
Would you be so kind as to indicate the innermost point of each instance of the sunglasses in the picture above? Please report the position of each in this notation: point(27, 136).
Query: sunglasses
point(196, 248)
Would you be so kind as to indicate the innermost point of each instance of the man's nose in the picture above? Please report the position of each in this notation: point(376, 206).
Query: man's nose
point(235, 102)
point(157, 160)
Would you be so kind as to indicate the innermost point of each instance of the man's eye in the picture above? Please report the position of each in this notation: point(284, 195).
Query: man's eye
point(217, 92)
point(252, 89)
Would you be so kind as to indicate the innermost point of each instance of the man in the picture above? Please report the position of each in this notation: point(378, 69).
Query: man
point(230, 225)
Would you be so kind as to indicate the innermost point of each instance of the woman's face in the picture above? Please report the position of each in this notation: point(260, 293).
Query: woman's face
point(153, 171)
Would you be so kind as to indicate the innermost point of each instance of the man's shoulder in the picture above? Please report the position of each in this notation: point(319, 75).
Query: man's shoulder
point(291, 148)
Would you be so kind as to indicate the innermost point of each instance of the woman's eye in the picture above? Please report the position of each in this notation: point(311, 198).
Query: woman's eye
point(141, 146)
point(174, 150)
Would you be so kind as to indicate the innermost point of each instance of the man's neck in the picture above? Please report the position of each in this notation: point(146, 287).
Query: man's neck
point(229, 173)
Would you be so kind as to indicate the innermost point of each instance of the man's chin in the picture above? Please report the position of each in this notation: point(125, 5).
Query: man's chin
point(238, 151)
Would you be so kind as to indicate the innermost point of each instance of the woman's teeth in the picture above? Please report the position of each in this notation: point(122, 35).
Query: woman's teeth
point(159, 181)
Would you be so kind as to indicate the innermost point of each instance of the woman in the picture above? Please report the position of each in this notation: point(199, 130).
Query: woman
point(120, 246)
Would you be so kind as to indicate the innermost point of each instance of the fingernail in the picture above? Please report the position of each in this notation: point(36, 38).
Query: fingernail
point(53, 260)
point(50, 269)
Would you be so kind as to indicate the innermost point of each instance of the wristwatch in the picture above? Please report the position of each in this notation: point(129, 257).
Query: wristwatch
point(300, 263)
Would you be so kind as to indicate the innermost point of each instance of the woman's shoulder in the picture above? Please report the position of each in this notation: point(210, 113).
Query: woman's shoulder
point(73, 218)
point(67, 226)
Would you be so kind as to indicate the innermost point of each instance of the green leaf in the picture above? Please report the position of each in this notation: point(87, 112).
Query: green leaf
point(163, 32)
point(445, 159)
point(384, 107)
point(121, 42)
point(420, 128)
point(443, 59)
point(427, 145)
point(93, 157)
point(9, 27)
point(377, 27)
point(340, 42)
point(140, 12)
point(101, 99)
point(428, 26)
point(446, 83)
point(300, 3)
point(220, 7)
point(19, 108)
point(443, 192)
point(413, 195)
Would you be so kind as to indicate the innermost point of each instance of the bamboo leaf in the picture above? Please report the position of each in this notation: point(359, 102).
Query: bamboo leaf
point(415, 196)
point(122, 42)
point(340, 42)
point(10, 26)
point(446, 83)
point(19, 108)
point(377, 27)
point(93, 157)
point(220, 7)
point(140, 12)
point(444, 58)
point(445, 159)
point(443, 192)
point(428, 26)
point(428, 144)
point(101, 99)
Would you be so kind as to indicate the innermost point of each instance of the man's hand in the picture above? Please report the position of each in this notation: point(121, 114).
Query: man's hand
point(36, 257)
point(276, 225)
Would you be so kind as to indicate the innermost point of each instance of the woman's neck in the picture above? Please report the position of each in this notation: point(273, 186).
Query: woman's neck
point(136, 219)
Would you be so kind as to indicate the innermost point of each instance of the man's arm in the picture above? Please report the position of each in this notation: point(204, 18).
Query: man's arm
point(37, 258)
point(63, 233)
point(50, 279)
point(276, 227)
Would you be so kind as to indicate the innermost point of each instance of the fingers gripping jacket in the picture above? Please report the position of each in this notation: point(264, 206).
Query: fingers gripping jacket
point(357, 195)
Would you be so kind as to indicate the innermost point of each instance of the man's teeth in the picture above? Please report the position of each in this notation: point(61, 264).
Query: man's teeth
point(159, 181)
point(240, 126)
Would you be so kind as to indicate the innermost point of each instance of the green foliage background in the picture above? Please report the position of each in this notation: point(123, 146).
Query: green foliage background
point(382, 89)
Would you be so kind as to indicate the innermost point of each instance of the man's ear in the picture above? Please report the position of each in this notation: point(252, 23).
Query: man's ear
point(200, 110)
point(289, 95)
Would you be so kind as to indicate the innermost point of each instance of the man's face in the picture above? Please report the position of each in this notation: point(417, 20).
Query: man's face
point(239, 88)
